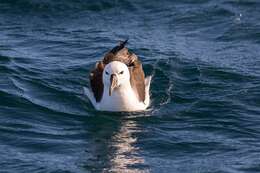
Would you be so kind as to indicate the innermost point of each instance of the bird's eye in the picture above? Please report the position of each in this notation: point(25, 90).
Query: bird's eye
point(121, 72)
point(107, 73)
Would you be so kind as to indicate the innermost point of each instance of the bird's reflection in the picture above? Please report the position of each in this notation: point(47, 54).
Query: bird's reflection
point(115, 147)
point(126, 157)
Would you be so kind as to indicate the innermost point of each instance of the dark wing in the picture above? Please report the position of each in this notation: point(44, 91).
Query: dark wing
point(96, 82)
point(108, 58)
point(137, 79)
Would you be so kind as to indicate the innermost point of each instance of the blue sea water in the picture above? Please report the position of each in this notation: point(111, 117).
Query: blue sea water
point(204, 56)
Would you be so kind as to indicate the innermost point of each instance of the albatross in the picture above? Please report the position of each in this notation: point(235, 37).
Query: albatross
point(118, 82)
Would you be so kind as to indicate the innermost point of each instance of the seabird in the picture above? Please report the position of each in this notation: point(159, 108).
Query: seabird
point(118, 82)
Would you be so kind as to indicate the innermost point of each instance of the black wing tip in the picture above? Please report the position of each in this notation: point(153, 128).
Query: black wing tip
point(123, 43)
point(119, 47)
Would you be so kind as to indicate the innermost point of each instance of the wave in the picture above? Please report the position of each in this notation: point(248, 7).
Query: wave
point(61, 5)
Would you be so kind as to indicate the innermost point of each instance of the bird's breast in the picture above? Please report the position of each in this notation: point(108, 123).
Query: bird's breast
point(121, 99)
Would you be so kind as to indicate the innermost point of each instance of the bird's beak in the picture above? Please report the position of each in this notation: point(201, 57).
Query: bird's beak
point(113, 83)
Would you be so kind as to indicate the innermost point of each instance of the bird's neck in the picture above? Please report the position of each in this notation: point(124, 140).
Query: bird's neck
point(120, 89)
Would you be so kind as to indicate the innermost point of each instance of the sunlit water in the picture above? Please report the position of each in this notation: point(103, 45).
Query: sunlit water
point(205, 111)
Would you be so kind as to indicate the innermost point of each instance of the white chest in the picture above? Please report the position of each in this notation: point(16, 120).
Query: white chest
point(122, 99)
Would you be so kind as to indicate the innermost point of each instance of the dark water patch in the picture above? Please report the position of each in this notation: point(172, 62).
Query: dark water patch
point(243, 32)
point(214, 14)
point(243, 3)
point(61, 6)
point(225, 75)
point(4, 69)
point(30, 91)
point(4, 59)
point(249, 96)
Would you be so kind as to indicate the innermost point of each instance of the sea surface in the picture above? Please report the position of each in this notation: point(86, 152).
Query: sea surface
point(204, 56)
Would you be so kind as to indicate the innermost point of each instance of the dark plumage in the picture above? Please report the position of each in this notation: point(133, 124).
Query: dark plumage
point(119, 47)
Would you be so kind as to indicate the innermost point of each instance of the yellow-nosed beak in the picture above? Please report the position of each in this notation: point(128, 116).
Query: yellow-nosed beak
point(113, 83)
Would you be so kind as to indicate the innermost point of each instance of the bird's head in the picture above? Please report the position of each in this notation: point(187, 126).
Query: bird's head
point(115, 74)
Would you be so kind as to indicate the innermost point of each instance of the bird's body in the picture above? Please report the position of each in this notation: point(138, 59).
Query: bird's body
point(122, 99)
point(119, 86)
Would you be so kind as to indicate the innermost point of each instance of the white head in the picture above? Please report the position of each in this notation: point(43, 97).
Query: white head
point(115, 74)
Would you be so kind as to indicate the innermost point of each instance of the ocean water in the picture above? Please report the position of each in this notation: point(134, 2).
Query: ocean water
point(204, 56)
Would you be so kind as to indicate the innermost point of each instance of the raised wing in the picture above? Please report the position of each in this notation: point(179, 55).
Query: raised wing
point(96, 82)
point(138, 79)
